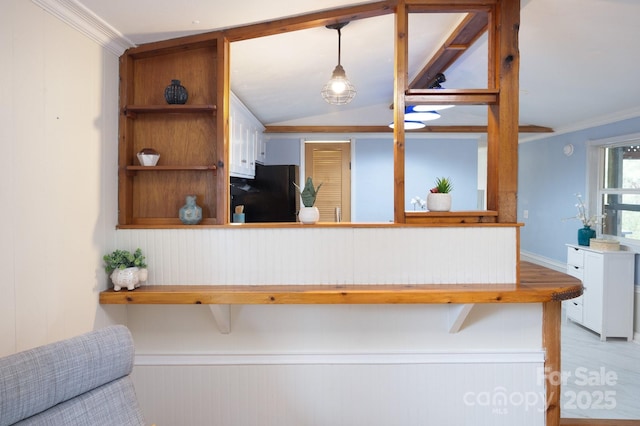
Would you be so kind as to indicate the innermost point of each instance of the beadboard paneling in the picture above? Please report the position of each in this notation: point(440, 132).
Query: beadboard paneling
point(324, 255)
point(439, 393)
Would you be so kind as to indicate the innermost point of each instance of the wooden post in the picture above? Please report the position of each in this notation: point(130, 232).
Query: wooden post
point(551, 323)
point(399, 89)
point(502, 132)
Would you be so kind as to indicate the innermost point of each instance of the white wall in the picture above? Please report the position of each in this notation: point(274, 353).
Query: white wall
point(59, 133)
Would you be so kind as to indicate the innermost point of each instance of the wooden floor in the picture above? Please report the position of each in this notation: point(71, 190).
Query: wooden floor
point(603, 379)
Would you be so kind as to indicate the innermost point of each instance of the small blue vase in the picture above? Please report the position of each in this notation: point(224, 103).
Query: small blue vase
point(190, 213)
point(585, 235)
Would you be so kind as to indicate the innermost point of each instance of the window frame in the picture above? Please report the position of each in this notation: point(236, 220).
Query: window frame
point(596, 177)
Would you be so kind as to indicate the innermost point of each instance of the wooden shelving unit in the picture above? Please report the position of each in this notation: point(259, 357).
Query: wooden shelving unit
point(186, 136)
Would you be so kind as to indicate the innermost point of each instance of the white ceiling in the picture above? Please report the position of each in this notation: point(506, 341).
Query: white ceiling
point(580, 59)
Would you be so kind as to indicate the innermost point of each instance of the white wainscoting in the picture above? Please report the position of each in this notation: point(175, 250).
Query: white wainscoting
point(323, 255)
point(350, 390)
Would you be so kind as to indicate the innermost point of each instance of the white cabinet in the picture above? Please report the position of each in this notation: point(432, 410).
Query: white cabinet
point(246, 136)
point(606, 305)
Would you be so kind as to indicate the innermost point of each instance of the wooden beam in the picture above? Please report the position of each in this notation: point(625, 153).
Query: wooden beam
point(311, 20)
point(463, 37)
point(451, 96)
point(449, 6)
point(385, 129)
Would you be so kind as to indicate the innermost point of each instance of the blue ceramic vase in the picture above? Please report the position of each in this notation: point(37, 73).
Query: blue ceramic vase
point(585, 234)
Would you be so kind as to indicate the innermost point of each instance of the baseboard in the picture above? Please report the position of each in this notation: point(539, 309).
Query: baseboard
point(511, 357)
point(543, 261)
point(598, 422)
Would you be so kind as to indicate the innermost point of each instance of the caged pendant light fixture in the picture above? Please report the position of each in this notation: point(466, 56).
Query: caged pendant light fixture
point(338, 90)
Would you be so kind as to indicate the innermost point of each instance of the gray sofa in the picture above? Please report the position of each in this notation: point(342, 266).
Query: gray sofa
point(80, 381)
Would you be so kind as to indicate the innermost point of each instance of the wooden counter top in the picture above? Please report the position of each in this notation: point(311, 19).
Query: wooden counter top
point(537, 285)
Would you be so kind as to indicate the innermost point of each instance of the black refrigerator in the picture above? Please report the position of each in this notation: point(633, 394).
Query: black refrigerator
point(269, 197)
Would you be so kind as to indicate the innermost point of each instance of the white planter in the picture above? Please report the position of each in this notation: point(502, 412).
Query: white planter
point(309, 215)
point(128, 277)
point(437, 202)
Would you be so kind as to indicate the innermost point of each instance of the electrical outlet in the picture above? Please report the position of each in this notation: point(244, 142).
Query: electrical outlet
point(525, 214)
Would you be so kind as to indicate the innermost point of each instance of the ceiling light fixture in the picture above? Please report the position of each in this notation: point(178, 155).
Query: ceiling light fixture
point(411, 113)
point(338, 90)
point(413, 119)
point(411, 125)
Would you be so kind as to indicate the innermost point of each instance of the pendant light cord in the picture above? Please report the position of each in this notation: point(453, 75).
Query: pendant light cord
point(339, 44)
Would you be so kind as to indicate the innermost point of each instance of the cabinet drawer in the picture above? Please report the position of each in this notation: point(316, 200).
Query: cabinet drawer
point(576, 271)
point(574, 309)
point(575, 257)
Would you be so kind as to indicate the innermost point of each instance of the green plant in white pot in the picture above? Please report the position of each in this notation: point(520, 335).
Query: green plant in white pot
point(439, 197)
point(126, 269)
point(308, 214)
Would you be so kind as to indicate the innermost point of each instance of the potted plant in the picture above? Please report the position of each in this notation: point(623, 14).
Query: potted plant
point(308, 214)
point(439, 197)
point(126, 269)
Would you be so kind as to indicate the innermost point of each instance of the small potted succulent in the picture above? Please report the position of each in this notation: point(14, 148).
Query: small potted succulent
point(439, 197)
point(308, 214)
point(126, 269)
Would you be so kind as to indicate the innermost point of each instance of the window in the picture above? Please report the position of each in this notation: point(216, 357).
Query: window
point(618, 186)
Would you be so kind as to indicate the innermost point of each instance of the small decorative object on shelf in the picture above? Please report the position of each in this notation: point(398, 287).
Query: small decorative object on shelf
point(418, 202)
point(308, 214)
point(238, 215)
point(190, 213)
point(439, 197)
point(148, 157)
point(175, 93)
point(126, 269)
point(585, 233)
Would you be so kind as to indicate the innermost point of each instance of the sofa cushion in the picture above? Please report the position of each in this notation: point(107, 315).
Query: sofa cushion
point(89, 366)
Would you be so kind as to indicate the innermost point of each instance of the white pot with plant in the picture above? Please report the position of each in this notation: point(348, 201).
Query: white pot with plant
point(439, 197)
point(308, 214)
point(126, 269)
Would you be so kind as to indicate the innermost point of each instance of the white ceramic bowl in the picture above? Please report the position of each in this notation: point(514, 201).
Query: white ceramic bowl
point(148, 159)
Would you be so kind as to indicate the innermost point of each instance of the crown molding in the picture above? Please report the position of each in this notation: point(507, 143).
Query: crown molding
point(88, 23)
point(588, 124)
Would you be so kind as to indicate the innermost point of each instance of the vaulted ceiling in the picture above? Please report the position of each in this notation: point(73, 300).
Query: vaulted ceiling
point(579, 58)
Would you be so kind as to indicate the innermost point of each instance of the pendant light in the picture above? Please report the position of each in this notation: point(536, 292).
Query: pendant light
point(338, 90)
point(414, 119)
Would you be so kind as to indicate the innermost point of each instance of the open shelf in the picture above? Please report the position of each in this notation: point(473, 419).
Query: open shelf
point(132, 170)
point(132, 110)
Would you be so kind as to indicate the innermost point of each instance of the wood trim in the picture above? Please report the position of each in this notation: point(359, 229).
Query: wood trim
point(386, 129)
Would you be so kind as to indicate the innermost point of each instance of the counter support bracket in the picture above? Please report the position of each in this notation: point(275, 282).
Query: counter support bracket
point(222, 316)
point(457, 315)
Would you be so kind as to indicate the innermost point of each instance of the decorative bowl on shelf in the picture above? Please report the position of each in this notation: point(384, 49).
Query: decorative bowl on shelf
point(148, 157)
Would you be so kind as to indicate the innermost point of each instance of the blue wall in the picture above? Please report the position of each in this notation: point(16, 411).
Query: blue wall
point(547, 183)
point(372, 171)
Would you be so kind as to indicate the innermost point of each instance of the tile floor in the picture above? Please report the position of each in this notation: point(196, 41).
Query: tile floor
point(602, 379)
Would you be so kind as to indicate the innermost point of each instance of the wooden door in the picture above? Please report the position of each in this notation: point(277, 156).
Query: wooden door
point(329, 164)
